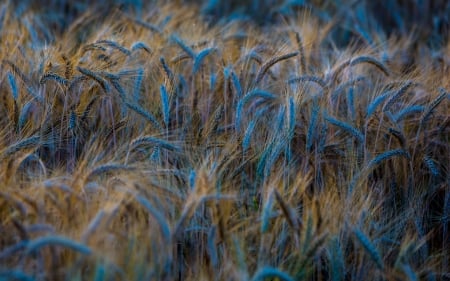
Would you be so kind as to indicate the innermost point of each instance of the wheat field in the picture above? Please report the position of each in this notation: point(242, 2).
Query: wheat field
point(224, 140)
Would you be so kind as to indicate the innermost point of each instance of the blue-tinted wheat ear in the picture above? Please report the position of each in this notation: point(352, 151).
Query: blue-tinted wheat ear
point(265, 67)
point(114, 45)
point(53, 240)
point(140, 46)
point(13, 86)
point(358, 60)
point(200, 57)
point(348, 128)
point(301, 51)
point(188, 50)
point(55, 77)
point(68, 73)
point(94, 76)
point(165, 104)
point(271, 272)
point(434, 104)
point(369, 247)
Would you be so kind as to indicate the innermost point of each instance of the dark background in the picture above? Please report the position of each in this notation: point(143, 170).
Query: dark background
point(429, 21)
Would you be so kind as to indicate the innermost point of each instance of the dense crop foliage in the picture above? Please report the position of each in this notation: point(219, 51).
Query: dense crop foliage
point(224, 140)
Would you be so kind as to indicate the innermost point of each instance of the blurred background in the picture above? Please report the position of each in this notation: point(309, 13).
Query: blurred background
point(427, 21)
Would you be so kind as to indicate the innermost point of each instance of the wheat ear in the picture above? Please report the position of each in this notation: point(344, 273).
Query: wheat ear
point(165, 104)
point(160, 219)
point(400, 92)
point(109, 168)
point(200, 57)
point(387, 155)
point(14, 274)
point(347, 127)
point(308, 78)
point(23, 144)
point(358, 60)
point(114, 45)
point(288, 212)
point(141, 46)
point(271, 272)
point(148, 140)
point(69, 67)
point(301, 51)
point(369, 247)
point(166, 69)
point(433, 105)
point(35, 245)
point(147, 115)
point(188, 50)
point(267, 65)
point(13, 86)
point(53, 76)
point(102, 82)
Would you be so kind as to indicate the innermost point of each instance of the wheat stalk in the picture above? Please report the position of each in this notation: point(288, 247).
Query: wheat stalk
point(7, 252)
point(288, 212)
point(245, 99)
point(248, 134)
point(93, 47)
point(311, 134)
point(29, 86)
point(114, 80)
point(292, 111)
point(337, 260)
point(212, 249)
point(16, 70)
point(254, 56)
point(153, 28)
point(93, 225)
point(398, 135)
point(236, 84)
point(267, 212)
point(344, 85)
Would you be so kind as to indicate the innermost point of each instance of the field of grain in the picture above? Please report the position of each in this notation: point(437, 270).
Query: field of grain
point(224, 140)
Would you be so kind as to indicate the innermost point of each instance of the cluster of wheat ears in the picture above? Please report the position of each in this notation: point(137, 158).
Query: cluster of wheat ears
point(160, 147)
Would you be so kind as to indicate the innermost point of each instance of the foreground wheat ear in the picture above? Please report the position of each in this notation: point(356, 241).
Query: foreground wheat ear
point(188, 140)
